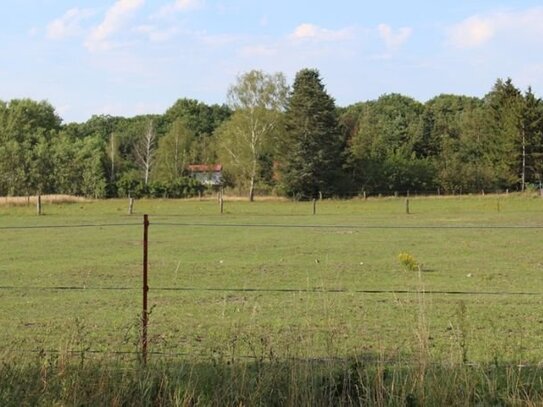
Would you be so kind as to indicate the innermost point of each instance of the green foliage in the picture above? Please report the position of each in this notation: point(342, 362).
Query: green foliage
point(503, 130)
point(53, 380)
point(200, 118)
point(175, 151)
point(400, 173)
point(386, 155)
point(182, 187)
point(130, 184)
point(243, 141)
point(307, 146)
point(311, 155)
point(532, 130)
point(246, 158)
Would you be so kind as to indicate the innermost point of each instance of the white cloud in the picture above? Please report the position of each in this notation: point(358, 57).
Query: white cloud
point(313, 32)
point(478, 30)
point(472, 32)
point(394, 39)
point(179, 6)
point(114, 20)
point(183, 5)
point(69, 24)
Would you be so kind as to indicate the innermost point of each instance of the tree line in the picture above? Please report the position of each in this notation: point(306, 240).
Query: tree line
point(281, 139)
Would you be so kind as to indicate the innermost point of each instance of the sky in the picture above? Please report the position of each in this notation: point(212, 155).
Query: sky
point(129, 57)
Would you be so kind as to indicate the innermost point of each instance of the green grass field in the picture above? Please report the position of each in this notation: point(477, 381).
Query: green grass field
point(251, 290)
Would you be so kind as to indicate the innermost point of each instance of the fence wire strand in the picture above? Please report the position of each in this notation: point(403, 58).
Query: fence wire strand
point(89, 225)
point(314, 226)
point(276, 290)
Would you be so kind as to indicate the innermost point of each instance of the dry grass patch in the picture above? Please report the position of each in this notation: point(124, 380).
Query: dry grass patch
point(239, 198)
point(31, 200)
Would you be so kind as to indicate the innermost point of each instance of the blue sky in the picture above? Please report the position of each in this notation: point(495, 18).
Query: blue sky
point(127, 57)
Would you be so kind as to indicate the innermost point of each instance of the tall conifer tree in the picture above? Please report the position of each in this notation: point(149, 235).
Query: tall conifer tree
point(312, 149)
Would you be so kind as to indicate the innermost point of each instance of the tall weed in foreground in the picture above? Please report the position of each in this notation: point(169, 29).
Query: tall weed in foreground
point(59, 380)
point(422, 337)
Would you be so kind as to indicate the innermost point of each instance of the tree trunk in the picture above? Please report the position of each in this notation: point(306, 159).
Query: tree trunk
point(112, 157)
point(146, 174)
point(145, 152)
point(252, 182)
point(252, 189)
point(523, 174)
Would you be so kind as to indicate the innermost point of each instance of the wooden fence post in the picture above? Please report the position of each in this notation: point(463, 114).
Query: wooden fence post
point(314, 206)
point(130, 205)
point(407, 206)
point(38, 205)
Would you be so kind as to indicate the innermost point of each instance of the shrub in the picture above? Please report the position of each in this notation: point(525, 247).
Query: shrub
point(408, 262)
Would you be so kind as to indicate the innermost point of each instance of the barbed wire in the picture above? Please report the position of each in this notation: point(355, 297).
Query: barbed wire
point(279, 290)
point(84, 225)
point(270, 225)
point(327, 226)
point(68, 288)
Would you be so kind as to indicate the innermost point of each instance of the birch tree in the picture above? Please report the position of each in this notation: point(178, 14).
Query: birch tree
point(175, 151)
point(258, 100)
point(144, 151)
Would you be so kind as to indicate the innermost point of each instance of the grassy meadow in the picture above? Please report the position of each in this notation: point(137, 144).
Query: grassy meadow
point(269, 282)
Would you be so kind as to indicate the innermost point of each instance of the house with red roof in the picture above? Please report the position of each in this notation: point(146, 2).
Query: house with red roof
point(206, 174)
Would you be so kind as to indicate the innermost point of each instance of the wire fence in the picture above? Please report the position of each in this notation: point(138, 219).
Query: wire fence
point(162, 224)
point(276, 290)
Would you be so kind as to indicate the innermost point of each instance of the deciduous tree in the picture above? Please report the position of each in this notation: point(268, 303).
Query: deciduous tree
point(145, 151)
point(258, 100)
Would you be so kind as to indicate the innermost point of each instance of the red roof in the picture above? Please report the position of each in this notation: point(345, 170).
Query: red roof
point(204, 167)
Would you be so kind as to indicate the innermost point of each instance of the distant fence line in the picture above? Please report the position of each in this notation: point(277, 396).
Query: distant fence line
point(272, 225)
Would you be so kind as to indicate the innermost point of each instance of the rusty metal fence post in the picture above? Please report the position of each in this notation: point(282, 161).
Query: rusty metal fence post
point(145, 312)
